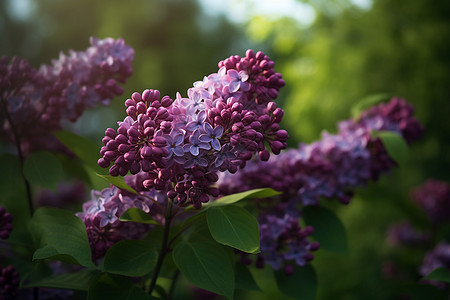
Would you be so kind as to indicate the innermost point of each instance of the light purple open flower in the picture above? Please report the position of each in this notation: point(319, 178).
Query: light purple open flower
point(195, 144)
point(238, 80)
point(175, 143)
point(197, 122)
point(212, 135)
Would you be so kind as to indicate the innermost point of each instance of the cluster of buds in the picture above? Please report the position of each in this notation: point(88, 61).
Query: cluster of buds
point(5, 223)
point(334, 166)
point(35, 101)
point(181, 144)
point(330, 168)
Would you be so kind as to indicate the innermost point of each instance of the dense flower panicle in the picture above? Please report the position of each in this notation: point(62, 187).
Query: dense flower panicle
point(36, 101)
point(5, 223)
point(181, 144)
point(405, 235)
point(331, 167)
point(101, 217)
point(283, 241)
point(9, 282)
point(434, 198)
point(439, 257)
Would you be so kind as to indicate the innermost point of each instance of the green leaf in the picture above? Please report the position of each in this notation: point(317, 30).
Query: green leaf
point(244, 279)
point(43, 169)
point(234, 226)
point(60, 235)
point(85, 149)
point(79, 281)
point(367, 102)
point(395, 145)
point(137, 215)
point(440, 274)
point(119, 182)
point(130, 258)
point(206, 265)
point(328, 229)
point(10, 178)
point(256, 193)
point(115, 287)
point(302, 284)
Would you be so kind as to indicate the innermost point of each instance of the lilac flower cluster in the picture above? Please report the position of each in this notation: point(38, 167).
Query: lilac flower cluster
point(101, 217)
point(439, 257)
point(434, 198)
point(333, 166)
point(181, 144)
point(283, 240)
point(404, 234)
point(34, 102)
point(9, 282)
point(5, 223)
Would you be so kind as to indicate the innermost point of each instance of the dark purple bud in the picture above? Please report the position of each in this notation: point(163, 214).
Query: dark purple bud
point(282, 135)
point(103, 163)
point(112, 145)
point(114, 170)
point(111, 133)
point(136, 97)
point(166, 101)
point(129, 103)
point(105, 140)
point(264, 155)
point(135, 167)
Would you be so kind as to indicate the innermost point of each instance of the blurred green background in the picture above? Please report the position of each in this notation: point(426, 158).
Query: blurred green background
point(331, 54)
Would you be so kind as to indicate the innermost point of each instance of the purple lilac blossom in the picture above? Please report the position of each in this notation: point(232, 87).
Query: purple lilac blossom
point(330, 168)
point(9, 282)
point(439, 257)
point(404, 234)
point(434, 198)
point(227, 118)
point(101, 217)
point(35, 101)
point(334, 166)
point(284, 242)
point(5, 223)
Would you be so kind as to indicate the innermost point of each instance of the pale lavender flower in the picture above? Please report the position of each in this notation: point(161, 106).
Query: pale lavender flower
point(175, 142)
point(238, 80)
point(197, 122)
point(195, 144)
point(212, 135)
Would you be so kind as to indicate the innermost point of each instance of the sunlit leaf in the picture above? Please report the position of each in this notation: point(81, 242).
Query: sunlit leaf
point(251, 194)
point(395, 145)
point(206, 265)
point(60, 235)
point(118, 181)
point(137, 215)
point(234, 226)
